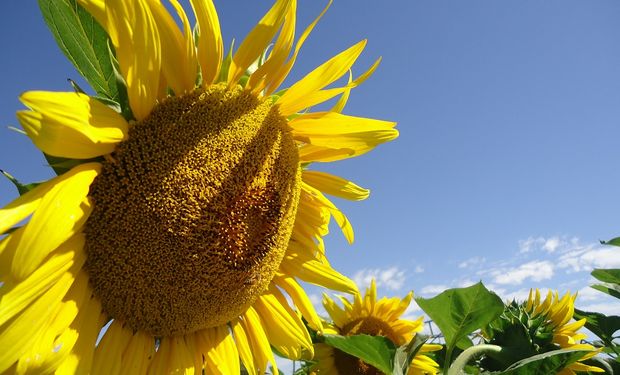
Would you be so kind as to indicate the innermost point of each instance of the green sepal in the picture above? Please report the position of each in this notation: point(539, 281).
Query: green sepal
point(62, 165)
point(225, 67)
point(21, 188)
point(612, 242)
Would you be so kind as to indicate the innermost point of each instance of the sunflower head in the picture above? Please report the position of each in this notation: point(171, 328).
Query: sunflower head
point(190, 209)
point(535, 327)
point(367, 315)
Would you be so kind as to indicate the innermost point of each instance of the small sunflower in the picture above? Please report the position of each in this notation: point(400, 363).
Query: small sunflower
point(536, 327)
point(187, 224)
point(368, 316)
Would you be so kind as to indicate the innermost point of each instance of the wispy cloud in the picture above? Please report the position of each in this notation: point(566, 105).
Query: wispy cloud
point(534, 270)
point(392, 278)
point(433, 289)
point(472, 262)
point(587, 258)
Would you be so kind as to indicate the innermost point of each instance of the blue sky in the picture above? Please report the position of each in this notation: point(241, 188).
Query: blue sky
point(506, 167)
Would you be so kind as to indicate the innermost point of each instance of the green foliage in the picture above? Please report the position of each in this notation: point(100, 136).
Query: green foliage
point(406, 353)
point(605, 327)
point(546, 363)
point(459, 312)
point(84, 42)
point(21, 188)
point(520, 336)
point(613, 242)
point(602, 326)
point(377, 351)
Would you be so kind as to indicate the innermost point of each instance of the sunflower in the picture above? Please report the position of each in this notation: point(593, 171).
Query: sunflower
point(191, 216)
point(557, 313)
point(368, 316)
point(536, 327)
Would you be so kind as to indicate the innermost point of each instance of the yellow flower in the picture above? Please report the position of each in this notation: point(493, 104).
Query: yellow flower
point(368, 316)
point(185, 226)
point(557, 313)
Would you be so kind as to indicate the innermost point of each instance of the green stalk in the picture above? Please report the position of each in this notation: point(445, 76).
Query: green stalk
point(473, 351)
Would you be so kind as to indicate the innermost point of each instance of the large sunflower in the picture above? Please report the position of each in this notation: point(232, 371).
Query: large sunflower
point(367, 315)
point(535, 327)
point(187, 221)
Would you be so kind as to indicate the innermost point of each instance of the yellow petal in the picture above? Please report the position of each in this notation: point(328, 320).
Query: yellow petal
point(178, 63)
point(311, 153)
point(18, 296)
point(334, 185)
point(308, 192)
point(87, 324)
point(582, 367)
point(293, 99)
point(310, 270)
point(61, 213)
point(320, 96)
point(243, 345)
point(221, 355)
point(301, 300)
point(56, 341)
point(180, 361)
point(138, 353)
point(108, 355)
point(285, 330)
point(257, 40)
point(136, 39)
point(22, 332)
point(281, 74)
point(71, 125)
point(261, 350)
point(282, 48)
point(23, 206)
point(210, 47)
point(338, 315)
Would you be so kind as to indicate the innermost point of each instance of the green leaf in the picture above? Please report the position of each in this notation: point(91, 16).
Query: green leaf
point(406, 353)
point(613, 242)
point(21, 188)
point(609, 275)
point(459, 312)
point(611, 290)
point(547, 363)
point(377, 351)
point(84, 42)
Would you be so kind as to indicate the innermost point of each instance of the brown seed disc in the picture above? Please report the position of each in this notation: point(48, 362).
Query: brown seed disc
point(193, 212)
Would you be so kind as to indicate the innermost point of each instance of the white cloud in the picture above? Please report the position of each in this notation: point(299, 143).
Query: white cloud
point(607, 308)
point(588, 258)
point(525, 246)
point(589, 294)
point(535, 270)
point(391, 278)
point(467, 263)
point(551, 244)
point(418, 269)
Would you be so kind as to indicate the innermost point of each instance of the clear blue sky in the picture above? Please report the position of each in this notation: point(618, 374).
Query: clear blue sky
point(506, 167)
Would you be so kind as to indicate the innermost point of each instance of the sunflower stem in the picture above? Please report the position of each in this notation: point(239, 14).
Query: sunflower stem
point(473, 351)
